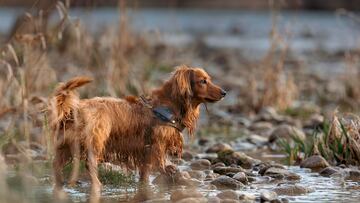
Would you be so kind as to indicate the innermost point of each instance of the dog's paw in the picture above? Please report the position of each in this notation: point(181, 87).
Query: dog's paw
point(171, 170)
point(60, 194)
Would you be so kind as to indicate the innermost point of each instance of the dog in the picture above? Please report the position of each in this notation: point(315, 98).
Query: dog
point(135, 132)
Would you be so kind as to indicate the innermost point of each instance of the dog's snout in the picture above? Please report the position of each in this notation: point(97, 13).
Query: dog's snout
point(223, 93)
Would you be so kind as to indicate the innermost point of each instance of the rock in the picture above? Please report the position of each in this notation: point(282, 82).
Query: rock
point(218, 164)
point(241, 176)
point(287, 132)
point(213, 200)
point(200, 164)
point(247, 197)
point(315, 162)
point(328, 171)
point(257, 140)
point(238, 158)
point(354, 175)
point(265, 166)
point(187, 156)
point(203, 141)
point(180, 178)
point(268, 114)
point(315, 121)
point(284, 200)
point(199, 175)
point(193, 200)
point(225, 182)
point(228, 194)
point(292, 190)
point(261, 126)
point(219, 147)
point(210, 176)
point(279, 173)
point(225, 170)
point(244, 146)
point(229, 201)
point(182, 194)
point(268, 195)
point(158, 200)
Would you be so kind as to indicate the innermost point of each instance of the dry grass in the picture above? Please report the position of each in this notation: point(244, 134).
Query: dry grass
point(269, 83)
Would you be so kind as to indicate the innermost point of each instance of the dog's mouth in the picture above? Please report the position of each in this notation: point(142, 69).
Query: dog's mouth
point(210, 100)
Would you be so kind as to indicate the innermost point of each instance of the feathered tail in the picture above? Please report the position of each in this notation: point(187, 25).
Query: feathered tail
point(65, 101)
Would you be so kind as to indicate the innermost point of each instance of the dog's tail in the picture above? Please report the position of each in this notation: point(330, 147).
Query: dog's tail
point(65, 101)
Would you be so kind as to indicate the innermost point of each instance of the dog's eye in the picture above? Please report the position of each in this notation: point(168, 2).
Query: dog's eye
point(203, 81)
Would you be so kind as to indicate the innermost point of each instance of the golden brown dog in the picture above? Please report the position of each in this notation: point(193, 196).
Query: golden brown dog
point(127, 131)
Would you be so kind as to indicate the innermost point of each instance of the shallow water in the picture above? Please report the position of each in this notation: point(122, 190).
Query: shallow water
point(325, 190)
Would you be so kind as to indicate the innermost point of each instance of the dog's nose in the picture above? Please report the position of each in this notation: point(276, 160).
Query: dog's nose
point(223, 93)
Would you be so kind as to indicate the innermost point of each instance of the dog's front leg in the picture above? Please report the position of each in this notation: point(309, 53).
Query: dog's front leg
point(144, 170)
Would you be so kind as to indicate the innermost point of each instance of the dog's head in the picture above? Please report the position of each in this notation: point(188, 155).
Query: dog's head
point(189, 88)
point(194, 86)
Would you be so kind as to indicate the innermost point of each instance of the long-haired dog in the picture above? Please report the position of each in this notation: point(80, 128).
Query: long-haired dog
point(136, 132)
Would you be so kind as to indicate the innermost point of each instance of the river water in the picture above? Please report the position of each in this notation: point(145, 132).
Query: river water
point(248, 32)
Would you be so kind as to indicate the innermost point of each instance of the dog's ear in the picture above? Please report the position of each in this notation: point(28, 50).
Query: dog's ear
point(182, 82)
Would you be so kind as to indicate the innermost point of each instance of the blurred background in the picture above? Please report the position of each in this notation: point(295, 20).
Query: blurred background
point(285, 64)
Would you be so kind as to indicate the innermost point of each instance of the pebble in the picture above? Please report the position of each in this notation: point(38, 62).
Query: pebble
point(228, 194)
point(315, 162)
point(268, 195)
point(292, 190)
point(200, 164)
point(182, 194)
point(225, 182)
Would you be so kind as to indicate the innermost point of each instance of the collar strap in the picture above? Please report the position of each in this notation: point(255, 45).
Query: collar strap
point(163, 114)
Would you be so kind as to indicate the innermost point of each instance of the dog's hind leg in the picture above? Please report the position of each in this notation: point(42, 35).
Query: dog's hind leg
point(75, 151)
point(62, 157)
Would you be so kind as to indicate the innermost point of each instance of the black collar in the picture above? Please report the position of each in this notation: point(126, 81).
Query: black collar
point(163, 114)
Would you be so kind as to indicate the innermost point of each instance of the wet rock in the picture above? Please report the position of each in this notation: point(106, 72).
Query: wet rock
point(203, 141)
point(219, 147)
point(228, 194)
point(247, 197)
point(284, 200)
point(285, 131)
point(187, 156)
point(218, 164)
point(199, 175)
point(179, 178)
point(292, 190)
point(193, 200)
point(200, 164)
point(268, 195)
point(354, 175)
point(279, 173)
point(210, 176)
point(226, 170)
point(159, 200)
point(229, 201)
point(183, 194)
point(265, 166)
point(211, 157)
point(238, 158)
point(213, 200)
point(328, 171)
point(315, 162)
point(241, 176)
point(225, 182)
